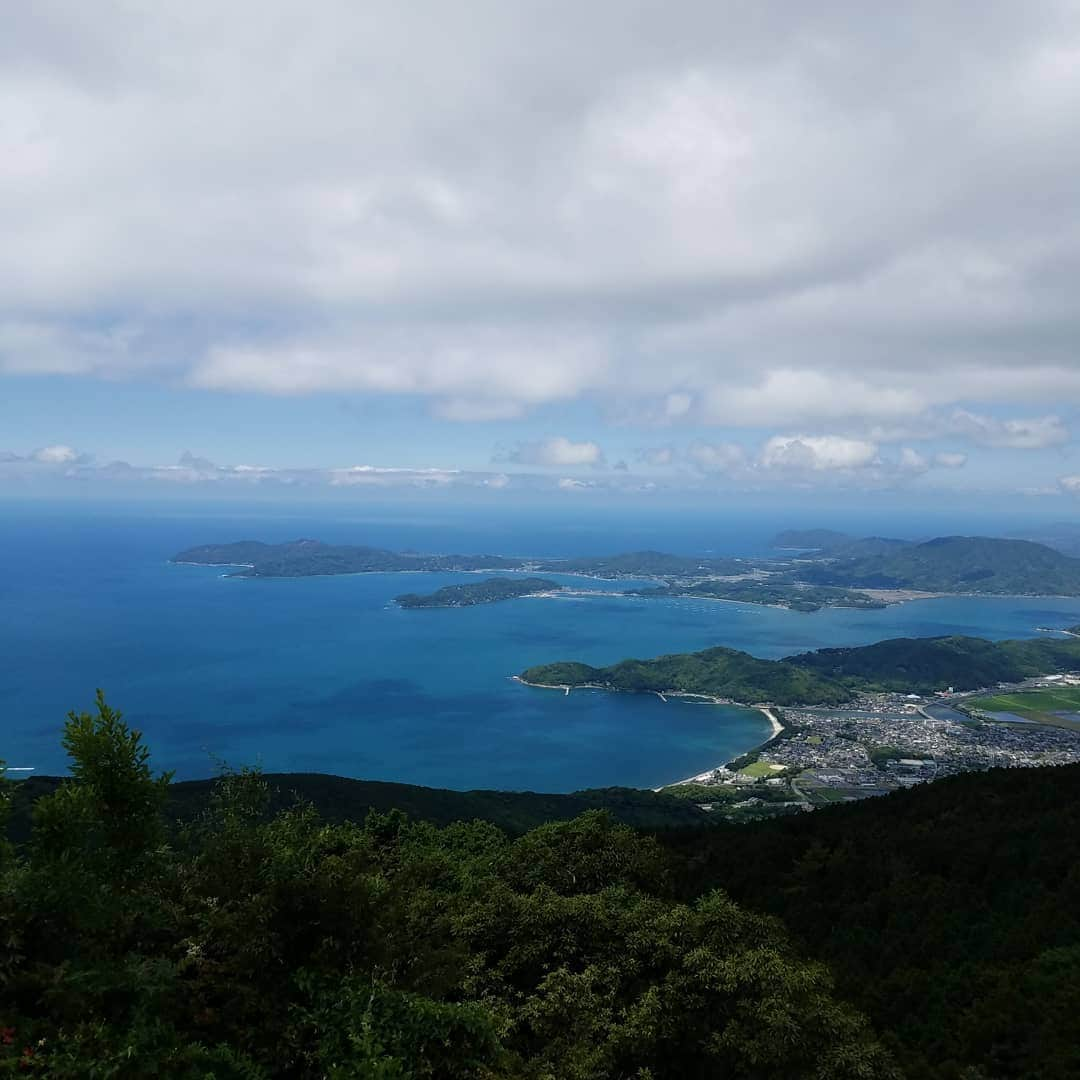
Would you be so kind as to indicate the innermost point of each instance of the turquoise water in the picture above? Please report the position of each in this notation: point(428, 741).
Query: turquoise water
point(325, 674)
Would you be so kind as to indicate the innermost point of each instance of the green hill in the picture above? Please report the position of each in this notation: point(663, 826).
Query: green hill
point(827, 676)
point(965, 564)
point(340, 798)
point(949, 913)
point(722, 672)
point(924, 664)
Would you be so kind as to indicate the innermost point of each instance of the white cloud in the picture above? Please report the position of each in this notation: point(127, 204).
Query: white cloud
point(1070, 484)
point(55, 455)
point(715, 457)
point(822, 249)
point(817, 453)
point(657, 456)
point(555, 452)
point(467, 410)
point(1018, 434)
point(911, 461)
point(949, 460)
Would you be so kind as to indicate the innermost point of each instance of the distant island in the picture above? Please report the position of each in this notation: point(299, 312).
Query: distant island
point(311, 558)
point(837, 574)
point(483, 592)
point(826, 676)
point(305, 558)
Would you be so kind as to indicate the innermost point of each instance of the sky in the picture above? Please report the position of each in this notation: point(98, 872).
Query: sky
point(636, 249)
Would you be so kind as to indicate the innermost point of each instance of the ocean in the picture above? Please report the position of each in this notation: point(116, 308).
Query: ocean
point(328, 675)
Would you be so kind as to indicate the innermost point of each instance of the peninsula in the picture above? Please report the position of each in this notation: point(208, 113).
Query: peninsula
point(826, 676)
point(488, 591)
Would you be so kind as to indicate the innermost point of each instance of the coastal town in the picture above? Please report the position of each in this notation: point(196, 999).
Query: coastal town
point(884, 742)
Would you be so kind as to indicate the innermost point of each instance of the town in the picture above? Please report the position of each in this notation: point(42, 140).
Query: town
point(884, 742)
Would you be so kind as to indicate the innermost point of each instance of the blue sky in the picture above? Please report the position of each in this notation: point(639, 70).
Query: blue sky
point(767, 252)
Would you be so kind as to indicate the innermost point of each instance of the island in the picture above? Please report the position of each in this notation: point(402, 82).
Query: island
point(310, 558)
point(488, 591)
point(844, 573)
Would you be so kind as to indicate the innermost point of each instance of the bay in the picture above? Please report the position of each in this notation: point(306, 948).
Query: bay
point(328, 675)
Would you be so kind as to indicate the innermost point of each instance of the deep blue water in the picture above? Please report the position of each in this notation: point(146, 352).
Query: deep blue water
point(324, 674)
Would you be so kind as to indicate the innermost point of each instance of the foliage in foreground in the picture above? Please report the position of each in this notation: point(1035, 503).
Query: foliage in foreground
point(248, 945)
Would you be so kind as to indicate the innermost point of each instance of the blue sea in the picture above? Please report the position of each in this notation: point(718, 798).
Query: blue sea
point(326, 674)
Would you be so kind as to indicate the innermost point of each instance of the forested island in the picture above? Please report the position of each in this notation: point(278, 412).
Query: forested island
point(304, 558)
point(950, 564)
point(825, 676)
point(311, 558)
point(932, 934)
point(488, 591)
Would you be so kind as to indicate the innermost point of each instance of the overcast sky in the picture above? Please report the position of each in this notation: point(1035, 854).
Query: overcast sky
point(706, 245)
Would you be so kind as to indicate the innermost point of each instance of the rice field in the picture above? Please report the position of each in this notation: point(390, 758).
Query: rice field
point(1059, 706)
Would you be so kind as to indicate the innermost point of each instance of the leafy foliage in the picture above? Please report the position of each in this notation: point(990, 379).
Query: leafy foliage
point(252, 944)
point(949, 913)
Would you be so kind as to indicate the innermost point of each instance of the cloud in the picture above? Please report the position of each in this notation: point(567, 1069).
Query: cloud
point(56, 455)
point(658, 456)
point(1017, 434)
point(948, 460)
point(554, 452)
point(1070, 484)
point(823, 249)
point(911, 461)
point(466, 411)
point(817, 453)
point(715, 457)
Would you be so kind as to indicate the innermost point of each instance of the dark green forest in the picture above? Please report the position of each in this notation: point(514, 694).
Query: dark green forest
point(234, 930)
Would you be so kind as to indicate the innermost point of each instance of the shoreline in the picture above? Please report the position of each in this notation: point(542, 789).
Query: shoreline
point(776, 728)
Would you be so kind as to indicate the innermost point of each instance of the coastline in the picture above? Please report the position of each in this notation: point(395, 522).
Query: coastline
point(776, 728)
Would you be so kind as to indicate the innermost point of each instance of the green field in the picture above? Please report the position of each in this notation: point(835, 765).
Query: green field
point(759, 769)
point(1041, 706)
